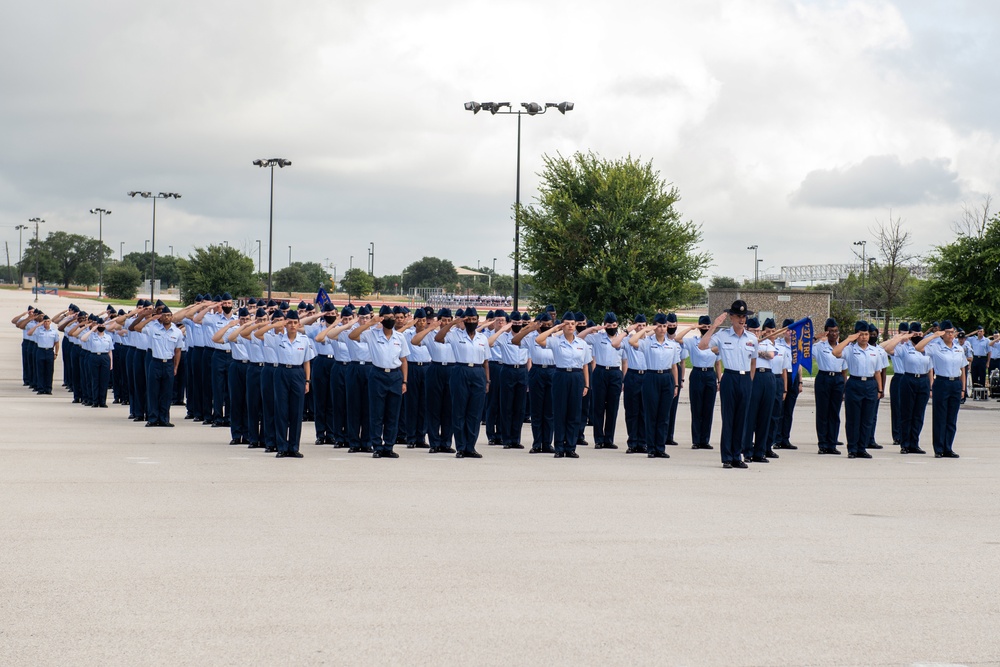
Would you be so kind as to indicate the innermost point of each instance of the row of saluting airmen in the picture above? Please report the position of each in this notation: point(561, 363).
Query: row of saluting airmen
point(374, 381)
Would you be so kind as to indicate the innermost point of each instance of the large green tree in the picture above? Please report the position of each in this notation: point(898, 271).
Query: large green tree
point(121, 281)
point(168, 270)
point(964, 282)
point(430, 272)
point(217, 269)
point(606, 235)
point(301, 277)
point(357, 283)
point(60, 254)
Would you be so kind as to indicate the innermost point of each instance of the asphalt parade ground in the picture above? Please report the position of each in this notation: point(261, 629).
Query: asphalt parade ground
point(121, 545)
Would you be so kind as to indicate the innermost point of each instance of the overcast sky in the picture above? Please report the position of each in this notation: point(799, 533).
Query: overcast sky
point(793, 125)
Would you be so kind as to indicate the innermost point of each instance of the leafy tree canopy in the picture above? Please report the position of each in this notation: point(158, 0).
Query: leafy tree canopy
point(430, 272)
point(217, 269)
point(357, 283)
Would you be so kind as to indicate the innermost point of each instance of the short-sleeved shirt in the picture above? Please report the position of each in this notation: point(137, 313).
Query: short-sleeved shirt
point(385, 352)
point(861, 362)
point(540, 356)
point(699, 358)
point(510, 354)
point(440, 352)
point(467, 350)
point(359, 351)
point(569, 353)
point(660, 356)
point(782, 360)
point(980, 346)
point(418, 353)
point(161, 340)
point(603, 349)
point(823, 353)
point(735, 351)
point(947, 361)
point(46, 338)
point(326, 348)
point(101, 343)
point(292, 352)
point(765, 346)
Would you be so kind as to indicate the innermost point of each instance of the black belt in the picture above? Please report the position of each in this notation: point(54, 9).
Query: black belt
point(829, 373)
point(443, 363)
point(387, 370)
point(470, 365)
point(344, 363)
point(162, 361)
point(419, 363)
point(863, 378)
point(941, 377)
point(226, 351)
point(610, 368)
point(636, 371)
point(328, 356)
point(291, 365)
point(243, 361)
point(914, 375)
point(514, 365)
point(257, 363)
point(542, 366)
point(273, 365)
point(665, 370)
point(696, 368)
point(360, 363)
point(731, 370)
point(979, 356)
point(572, 370)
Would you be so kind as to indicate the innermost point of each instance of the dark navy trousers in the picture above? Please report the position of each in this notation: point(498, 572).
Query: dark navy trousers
point(635, 417)
point(895, 413)
point(914, 394)
point(207, 390)
point(268, 385)
point(100, 375)
point(358, 420)
point(194, 366)
point(44, 363)
point(567, 408)
point(829, 396)
point(320, 388)
point(513, 385)
point(255, 407)
point(702, 388)
point(540, 406)
point(289, 395)
point(220, 386)
point(159, 391)
point(657, 396)
point(415, 401)
point(788, 410)
point(338, 399)
point(675, 402)
point(777, 412)
point(606, 386)
point(860, 404)
point(947, 396)
point(239, 426)
point(137, 368)
point(759, 415)
point(385, 397)
point(468, 395)
point(734, 395)
point(492, 406)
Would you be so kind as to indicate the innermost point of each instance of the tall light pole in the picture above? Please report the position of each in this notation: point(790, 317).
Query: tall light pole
point(171, 250)
point(258, 257)
point(271, 163)
point(152, 258)
point(371, 258)
point(289, 255)
point(754, 248)
point(37, 222)
point(100, 242)
point(20, 255)
point(863, 262)
point(531, 109)
point(145, 248)
point(121, 251)
point(351, 265)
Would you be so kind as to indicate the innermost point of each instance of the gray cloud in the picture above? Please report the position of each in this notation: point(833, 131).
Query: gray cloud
point(879, 180)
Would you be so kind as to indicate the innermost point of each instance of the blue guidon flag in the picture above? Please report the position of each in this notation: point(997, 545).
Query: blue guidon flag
point(322, 298)
point(801, 344)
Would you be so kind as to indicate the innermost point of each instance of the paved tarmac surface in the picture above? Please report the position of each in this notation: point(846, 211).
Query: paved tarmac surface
point(124, 546)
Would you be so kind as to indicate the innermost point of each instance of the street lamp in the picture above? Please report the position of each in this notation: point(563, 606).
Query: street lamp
point(272, 163)
point(754, 248)
point(258, 257)
point(20, 256)
point(37, 222)
point(100, 242)
point(863, 262)
point(531, 109)
point(152, 258)
point(371, 259)
point(171, 250)
point(289, 255)
point(146, 247)
point(351, 266)
point(121, 251)
point(757, 275)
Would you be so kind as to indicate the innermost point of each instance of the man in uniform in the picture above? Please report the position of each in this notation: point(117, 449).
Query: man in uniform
point(164, 340)
point(418, 369)
point(830, 379)
point(438, 381)
point(706, 372)
point(794, 388)
point(980, 345)
point(606, 380)
point(470, 381)
point(387, 382)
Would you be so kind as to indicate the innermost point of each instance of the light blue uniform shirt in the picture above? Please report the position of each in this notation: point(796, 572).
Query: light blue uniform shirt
point(440, 352)
point(569, 354)
point(899, 358)
point(162, 341)
point(510, 354)
point(292, 352)
point(139, 341)
point(635, 358)
point(197, 338)
point(883, 357)
point(995, 350)
point(736, 352)
point(947, 361)
point(359, 351)
point(915, 362)
point(861, 362)
point(326, 347)
point(495, 352)
point(980, 347)
point(101, 343)
point(659, 356)
point(782, 360)
point(467, 350)
point(823, 354)
point(255, 349)
point(540, 356)
point(238, 345)
point(211, 324)
point(46, 339)
point(418, 353)
point(269, 346)
point(385, 352)
point(604, 351)
point(765, 346)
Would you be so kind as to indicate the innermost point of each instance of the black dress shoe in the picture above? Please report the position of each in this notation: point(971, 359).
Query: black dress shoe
point(507, 447)
point(318, 441)
point(446, 450)
point(939, 456)
point(104, 405)
point(294, 455)
point(433, 450)
point(195, 419)
point(235, 441)
point(390, 455)
point(559, 455)
point(834, 451)
point(270, 450)
point(376, 455)
point(950, 455)
point(852, 456)
point(548, 449)
point(138, 418)
point(662, 455)
point(255, 445)
point(411, 446)
point(400, 439)
point(151, 424)
point(165, 425)
point(863, 455)
point(916, 450)
point(739, 464)
point(771, 454)
point(353, 450)
point(280, 455)
point(76, 400)
point(515, 446)
point(610, 445)
point(760, 459)
point(599, 445)
point(535, 450)
point(367, 449)
point(874, 445)
point(572, 455)
point(727, 465)
point(460, 455)
point(421, 445)
point(473, 455)
point(672, 443)
point(904, 450)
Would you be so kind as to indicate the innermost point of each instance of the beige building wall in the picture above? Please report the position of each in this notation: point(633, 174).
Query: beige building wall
point(779, 304)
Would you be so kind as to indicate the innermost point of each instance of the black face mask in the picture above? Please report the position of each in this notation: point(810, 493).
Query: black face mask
point(671, 331)
point(916, 339)
point(580, 327)
point(329, 319)
point(546, 327)
point(100, 329)
point(612, 331)
point(227, 309)
point(516, 328)
point(470, 327)
point(388, 322)
point(703, 330)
